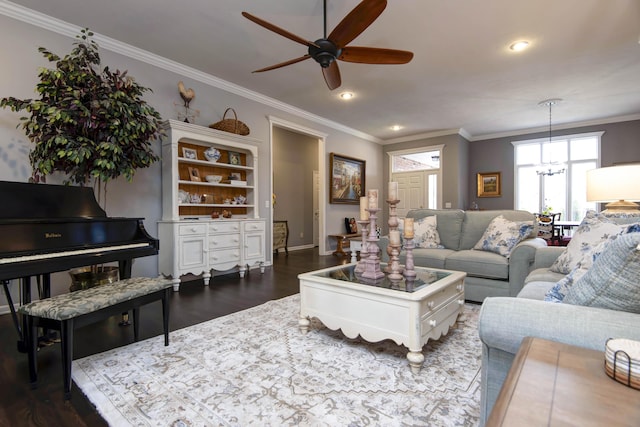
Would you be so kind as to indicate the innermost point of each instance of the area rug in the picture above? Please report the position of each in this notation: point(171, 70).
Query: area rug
point(255, 368)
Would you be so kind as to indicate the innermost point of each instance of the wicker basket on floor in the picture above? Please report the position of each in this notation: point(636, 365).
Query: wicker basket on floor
point(231, 125)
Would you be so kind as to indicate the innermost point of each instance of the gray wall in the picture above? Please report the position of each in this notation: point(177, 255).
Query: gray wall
point(620, 143)
point(295, 157)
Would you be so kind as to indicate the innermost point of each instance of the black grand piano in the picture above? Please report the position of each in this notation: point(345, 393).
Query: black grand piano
point(49, 228)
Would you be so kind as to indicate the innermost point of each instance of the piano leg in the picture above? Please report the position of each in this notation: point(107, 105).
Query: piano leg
point(25, 291)
point(14, 316)
point(124, 265)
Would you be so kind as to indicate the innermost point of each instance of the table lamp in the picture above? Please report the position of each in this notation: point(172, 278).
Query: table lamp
point(617, 185)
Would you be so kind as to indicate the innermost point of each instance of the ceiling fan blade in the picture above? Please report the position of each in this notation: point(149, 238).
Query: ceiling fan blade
point(283, 64)
point(278, 30)
point(374, 55)
point(332, 75)
point(356, 21)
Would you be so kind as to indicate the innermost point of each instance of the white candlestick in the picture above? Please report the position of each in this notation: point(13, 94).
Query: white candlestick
point(393, 190)
point(373, 199)
point(408, 228)
point(364, 205)
point(394, 237)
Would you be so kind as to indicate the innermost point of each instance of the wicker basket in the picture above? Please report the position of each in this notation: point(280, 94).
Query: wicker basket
point(231, 125)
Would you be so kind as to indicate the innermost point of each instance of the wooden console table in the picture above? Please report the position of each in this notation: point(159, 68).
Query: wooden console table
point(551, 384)
point(342, 241)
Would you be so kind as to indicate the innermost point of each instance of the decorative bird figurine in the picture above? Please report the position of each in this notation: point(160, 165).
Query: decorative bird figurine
point(187, 95)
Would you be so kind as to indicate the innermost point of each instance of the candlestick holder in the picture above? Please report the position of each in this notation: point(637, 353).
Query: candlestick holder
point(394, 263)
point(372, 262)
point(393, 225)
point(409, 271)
point(363, 250)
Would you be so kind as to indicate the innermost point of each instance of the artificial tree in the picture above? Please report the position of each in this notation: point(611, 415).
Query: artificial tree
point(89, 123)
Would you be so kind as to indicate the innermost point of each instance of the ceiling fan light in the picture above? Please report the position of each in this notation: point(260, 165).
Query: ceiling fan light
point(346, 95)
point(519, 45)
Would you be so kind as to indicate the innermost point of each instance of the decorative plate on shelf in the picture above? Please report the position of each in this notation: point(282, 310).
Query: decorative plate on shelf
point(212, 154)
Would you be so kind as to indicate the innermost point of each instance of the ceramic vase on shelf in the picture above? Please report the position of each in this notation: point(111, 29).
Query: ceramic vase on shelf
point(212, 154)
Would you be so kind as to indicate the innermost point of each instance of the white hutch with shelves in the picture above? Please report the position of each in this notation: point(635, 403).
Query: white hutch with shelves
point(192, 241)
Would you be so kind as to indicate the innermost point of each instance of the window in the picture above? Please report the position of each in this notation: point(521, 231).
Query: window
point(565, 192)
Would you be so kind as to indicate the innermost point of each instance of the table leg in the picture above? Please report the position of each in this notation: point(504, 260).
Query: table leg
point(303, 323)
point(416, 359)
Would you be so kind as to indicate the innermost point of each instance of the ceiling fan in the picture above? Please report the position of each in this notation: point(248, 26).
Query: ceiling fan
point(327, 50)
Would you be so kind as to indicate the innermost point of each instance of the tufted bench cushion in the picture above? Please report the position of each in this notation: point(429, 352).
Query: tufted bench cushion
point(74, 304)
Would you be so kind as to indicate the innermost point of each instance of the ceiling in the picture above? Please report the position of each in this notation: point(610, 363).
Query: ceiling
point(462, 77)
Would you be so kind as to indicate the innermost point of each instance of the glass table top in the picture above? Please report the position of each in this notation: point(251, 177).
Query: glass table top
point(347, 273)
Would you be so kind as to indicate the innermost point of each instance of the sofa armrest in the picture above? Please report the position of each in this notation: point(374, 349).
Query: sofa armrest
point(546, 256)
point(521, 262)
point(504, 322)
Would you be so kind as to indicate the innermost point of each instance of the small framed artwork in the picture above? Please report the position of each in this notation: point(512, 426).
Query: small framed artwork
point(346, 179)
point(189, 153)
point(235, 176)
point(489, 184)
point(194, 174)
point(234, 158)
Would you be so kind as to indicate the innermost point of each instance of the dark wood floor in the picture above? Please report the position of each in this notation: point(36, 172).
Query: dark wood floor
point(194, 303)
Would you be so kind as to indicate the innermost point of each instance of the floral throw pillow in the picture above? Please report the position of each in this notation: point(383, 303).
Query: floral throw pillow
point(502, 235)
point(593, 230)
point(426, 233)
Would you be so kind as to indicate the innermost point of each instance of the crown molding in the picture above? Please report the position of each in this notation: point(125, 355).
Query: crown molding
point(573, 125)
point(52, 24)
point(425, 135)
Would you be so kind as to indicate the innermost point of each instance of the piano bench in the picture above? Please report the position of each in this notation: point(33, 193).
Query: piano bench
point(66, 312)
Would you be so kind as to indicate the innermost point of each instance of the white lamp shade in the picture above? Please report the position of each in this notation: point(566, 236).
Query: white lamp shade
point(614, 183)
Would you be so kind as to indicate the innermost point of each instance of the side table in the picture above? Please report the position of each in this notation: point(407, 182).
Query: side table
point(342, 241)
point(552, 383)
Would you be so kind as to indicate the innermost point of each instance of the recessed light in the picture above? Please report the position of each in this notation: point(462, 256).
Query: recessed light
point(519, 45)
point(396, 127)
point(346, 95)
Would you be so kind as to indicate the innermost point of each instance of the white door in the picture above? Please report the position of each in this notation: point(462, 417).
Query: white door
point(316, 208)
point(412, 191)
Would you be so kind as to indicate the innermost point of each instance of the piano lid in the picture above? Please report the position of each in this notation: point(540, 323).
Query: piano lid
point(22, 200)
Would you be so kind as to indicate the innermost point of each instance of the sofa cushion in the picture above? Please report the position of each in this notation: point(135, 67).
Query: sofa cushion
point(612, 282)
point(449, 224)
point(479, 264)
point(594, 229)
point(544, 275)
point(535, 290)
point(434, 258)
point(502, 235)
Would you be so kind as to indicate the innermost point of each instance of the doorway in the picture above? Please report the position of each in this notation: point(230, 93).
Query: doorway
point(298, 182)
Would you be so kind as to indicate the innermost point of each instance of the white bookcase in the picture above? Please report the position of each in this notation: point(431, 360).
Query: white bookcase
point(191, 240)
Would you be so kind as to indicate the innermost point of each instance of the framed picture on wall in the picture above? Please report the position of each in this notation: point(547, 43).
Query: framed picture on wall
point(489, 184)
point(346, 179)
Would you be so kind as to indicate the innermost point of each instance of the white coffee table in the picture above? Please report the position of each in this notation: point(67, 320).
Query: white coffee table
point(409, 314)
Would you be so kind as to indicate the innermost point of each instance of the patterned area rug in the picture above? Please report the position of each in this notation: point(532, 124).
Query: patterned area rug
point(255, 368)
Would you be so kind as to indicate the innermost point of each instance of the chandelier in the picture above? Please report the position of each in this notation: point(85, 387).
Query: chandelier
point(550, 168)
